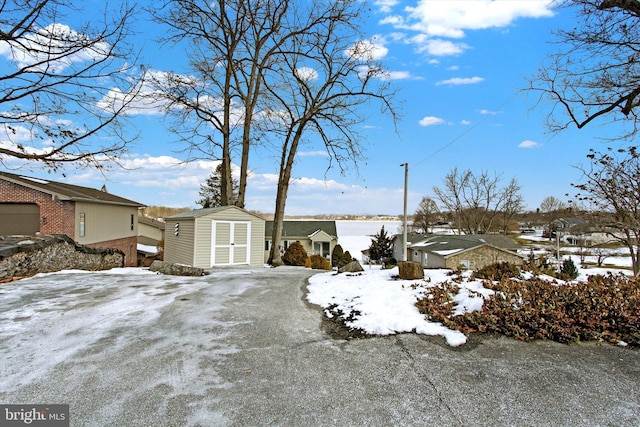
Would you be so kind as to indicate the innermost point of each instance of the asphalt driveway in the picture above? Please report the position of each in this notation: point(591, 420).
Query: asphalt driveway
point(242, 347)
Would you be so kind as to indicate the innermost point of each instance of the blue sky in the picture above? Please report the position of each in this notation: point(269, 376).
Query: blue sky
point(460, 68)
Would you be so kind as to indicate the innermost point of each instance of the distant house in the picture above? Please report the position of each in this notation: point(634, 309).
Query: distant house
point(563, 224)
point(467, 251)
point(150, 237)
point(317, 237)
point(211, 237)
point(91, 217)
point(411, 239)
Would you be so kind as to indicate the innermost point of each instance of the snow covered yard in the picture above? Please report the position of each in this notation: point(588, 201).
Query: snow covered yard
point(378, 304)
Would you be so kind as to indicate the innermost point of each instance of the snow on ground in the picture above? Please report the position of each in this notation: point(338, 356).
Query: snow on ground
point(355, 236)
point(381, 305)
point(52, 308)
point(377, 304)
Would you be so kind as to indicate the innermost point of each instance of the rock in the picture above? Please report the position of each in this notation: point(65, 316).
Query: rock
point(24, 256)
point(352, 267)
point(175, 269)
point(408, 270)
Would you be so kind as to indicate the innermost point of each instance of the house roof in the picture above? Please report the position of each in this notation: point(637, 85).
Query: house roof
point(70, 192)
point(298, 228)
point(151, 222)
point(569, 222)
point(449, 244)
point(412, 237)
point(196, 213)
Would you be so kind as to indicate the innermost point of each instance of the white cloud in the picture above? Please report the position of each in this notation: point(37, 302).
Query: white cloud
point(529, 144)
point(452, 18)
point(487, 112)
point(396, 75)
point(456, 81)
point(52, 48)
point(465, 122)
point(367, 50)
point(433, 20)
point(431, 121)
point(385, 6)
point(437, 47)
point(306, 73)
point(318, 153)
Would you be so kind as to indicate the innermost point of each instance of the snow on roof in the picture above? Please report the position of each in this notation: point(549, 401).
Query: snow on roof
point(447, 252)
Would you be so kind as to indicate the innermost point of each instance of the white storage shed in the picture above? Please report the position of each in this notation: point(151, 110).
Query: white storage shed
point(211, 237)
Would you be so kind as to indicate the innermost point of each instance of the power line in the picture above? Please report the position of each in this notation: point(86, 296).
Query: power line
point(455, 139)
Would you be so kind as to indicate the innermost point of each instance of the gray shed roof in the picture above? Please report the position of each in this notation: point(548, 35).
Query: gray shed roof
point(296, 228)
point(70, 192)
point(196, 213)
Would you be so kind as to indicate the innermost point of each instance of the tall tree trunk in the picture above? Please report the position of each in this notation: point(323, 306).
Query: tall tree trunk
point(286, 165)
point(275, 255)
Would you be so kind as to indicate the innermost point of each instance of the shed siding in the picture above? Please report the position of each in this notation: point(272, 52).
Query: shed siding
point(179, 249)
point(194, 244)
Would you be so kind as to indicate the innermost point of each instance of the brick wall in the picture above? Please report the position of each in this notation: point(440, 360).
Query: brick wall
point(128, 245)
point(56, 216)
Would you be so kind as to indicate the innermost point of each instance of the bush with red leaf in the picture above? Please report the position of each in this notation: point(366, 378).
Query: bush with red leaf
point(605, 308)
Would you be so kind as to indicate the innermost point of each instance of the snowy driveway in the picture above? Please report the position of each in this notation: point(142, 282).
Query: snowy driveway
point(241, 347)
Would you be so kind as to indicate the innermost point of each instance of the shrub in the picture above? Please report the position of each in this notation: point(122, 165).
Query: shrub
point(340, 258)
point(605, 308)
point(295, 255)
point(336, 256)
point(389, 262)
point(346, 259)
point(569, 269)
point(497, 271)
point(318, 262)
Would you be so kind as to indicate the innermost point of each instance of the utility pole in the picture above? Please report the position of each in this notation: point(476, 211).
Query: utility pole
point(404, 224)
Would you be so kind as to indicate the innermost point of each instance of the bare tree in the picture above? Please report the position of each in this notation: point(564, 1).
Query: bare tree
point(512, 204)
point(552, 204)
point(597, 74)
point(233, 42)
point(426, 215)
point(55, 75)
point(551, 208)
point(319, 86)
point(612, 187)
point(477, 201)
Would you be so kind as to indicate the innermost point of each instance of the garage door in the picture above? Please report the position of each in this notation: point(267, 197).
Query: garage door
point(230, 242)
point(19, 218)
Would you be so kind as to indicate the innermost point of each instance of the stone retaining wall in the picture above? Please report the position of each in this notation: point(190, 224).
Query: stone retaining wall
point(23, 256)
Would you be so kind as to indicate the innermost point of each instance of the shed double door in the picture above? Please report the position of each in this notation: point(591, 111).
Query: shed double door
point(230, 242)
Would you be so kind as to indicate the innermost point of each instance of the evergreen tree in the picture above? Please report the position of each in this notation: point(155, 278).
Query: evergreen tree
point(210, 195)
point(569, 269)
point(381, 246)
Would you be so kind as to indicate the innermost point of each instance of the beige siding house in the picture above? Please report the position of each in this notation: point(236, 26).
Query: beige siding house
point(317, 237)
point(211, 237)
point(91, 217)
point(463, 251)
